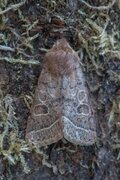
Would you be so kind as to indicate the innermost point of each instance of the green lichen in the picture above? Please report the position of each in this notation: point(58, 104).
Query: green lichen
point(12, 150)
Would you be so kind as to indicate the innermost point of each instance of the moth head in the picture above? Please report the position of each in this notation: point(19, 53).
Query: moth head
point(61, 59)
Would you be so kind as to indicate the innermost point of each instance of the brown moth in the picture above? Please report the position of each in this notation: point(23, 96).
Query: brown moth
point(61, 106)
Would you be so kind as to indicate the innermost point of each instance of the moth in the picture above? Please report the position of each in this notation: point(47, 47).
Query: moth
point(61, 105)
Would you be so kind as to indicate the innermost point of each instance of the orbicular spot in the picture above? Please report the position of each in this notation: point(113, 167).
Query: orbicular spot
point(40, 109)
point(42, 96)
point(82, 95)
point(83, 109)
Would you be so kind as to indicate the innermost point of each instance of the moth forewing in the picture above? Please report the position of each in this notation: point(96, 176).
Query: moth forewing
point(79, 124)
point(44, 125)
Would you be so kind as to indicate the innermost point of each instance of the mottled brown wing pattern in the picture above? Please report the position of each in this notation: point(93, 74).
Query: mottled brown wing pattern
point(61, 105)
point(44, 125)
point(79, 124)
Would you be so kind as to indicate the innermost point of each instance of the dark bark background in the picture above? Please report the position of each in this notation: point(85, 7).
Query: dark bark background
point(27, 30)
